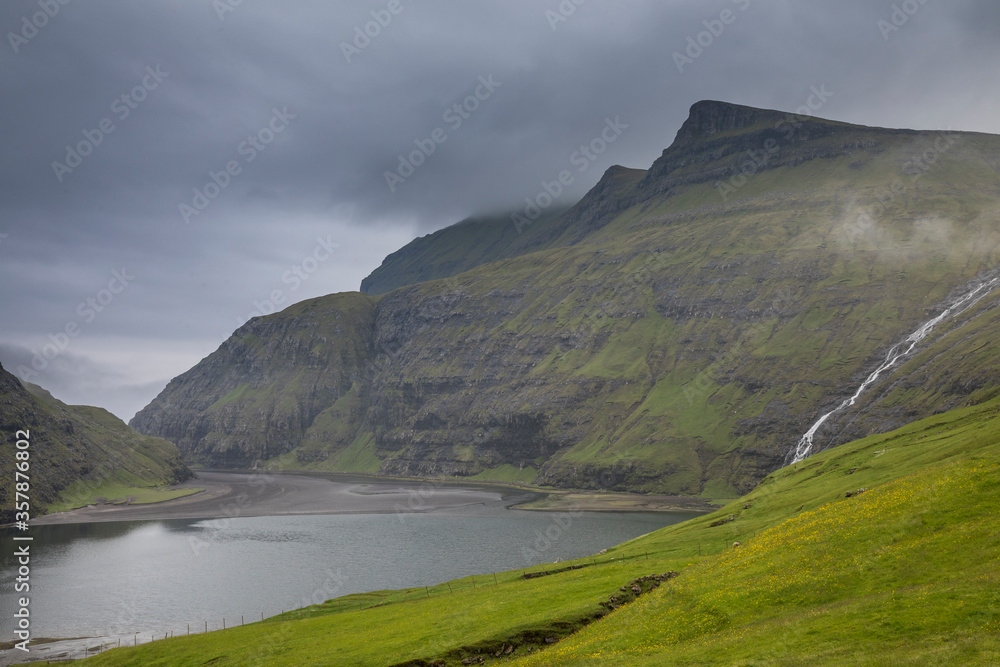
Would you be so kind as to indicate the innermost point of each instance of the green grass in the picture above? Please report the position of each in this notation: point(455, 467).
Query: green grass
point(359, 456)
point(507, 473)
point(903, 574)
point(80, 494)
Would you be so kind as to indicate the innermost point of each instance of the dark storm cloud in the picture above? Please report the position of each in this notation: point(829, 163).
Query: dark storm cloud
point(172, 94)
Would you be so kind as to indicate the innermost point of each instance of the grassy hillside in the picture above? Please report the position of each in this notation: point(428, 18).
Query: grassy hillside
point(458, 248)
point(903, 573)
point(80, 453)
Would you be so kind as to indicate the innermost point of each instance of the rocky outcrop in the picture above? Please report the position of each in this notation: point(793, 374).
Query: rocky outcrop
point(721, 141)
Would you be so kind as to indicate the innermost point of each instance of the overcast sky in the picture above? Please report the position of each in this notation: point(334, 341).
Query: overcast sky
point(115, 112)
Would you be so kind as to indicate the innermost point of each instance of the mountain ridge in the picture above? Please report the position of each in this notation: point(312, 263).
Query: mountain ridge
point(662, 334)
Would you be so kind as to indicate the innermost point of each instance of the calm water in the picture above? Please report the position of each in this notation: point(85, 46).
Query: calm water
point(152, 577)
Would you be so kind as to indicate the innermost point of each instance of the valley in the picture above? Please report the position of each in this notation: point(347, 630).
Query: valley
point(807, 352)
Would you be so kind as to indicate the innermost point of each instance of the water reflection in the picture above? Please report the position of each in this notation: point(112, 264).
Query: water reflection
point(111, 579)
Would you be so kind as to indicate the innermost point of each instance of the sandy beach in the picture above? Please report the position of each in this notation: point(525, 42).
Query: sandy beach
point(231, 494)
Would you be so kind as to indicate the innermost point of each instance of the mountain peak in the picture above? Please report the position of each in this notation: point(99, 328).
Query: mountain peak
point(710, 117)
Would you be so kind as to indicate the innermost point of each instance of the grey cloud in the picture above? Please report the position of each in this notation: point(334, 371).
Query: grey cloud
point(324, 174)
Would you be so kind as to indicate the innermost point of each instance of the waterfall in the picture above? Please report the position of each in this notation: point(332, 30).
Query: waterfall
point(901, 349)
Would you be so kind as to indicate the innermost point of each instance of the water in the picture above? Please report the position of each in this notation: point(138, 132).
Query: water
point(111, 580)
point(898, 351)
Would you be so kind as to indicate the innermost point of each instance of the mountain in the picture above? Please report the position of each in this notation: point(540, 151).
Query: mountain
point(75, 448)
point(677, 330)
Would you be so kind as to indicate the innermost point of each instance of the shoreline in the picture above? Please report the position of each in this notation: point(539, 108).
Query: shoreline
point(599, 501)
point(246, 493)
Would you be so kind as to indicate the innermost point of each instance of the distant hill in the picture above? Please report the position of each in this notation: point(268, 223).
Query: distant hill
point(75, 447)
point(677, 330)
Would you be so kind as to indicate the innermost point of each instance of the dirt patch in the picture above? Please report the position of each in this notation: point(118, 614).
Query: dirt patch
point(527, 642)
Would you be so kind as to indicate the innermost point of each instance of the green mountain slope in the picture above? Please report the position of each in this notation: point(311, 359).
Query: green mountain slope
point(76, 452)
point(483, 240)
point(901, 573)
point(456, 249)
point(676, 331)
point(294, 380)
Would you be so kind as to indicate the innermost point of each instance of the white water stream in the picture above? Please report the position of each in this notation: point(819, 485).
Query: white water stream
point(901, 349)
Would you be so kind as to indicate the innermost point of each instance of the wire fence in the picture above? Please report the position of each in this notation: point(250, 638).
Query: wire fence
point(69, 650)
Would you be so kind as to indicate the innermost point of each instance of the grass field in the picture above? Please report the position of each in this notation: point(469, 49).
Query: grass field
point(81, 494)
point(904, 573)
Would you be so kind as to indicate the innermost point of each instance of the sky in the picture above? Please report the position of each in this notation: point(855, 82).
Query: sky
point(170, 169)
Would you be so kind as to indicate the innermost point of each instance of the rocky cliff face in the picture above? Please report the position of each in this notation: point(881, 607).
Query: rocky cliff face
point(723, 143)
point(71, 444)
point(662, 335)
point(258, 395)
